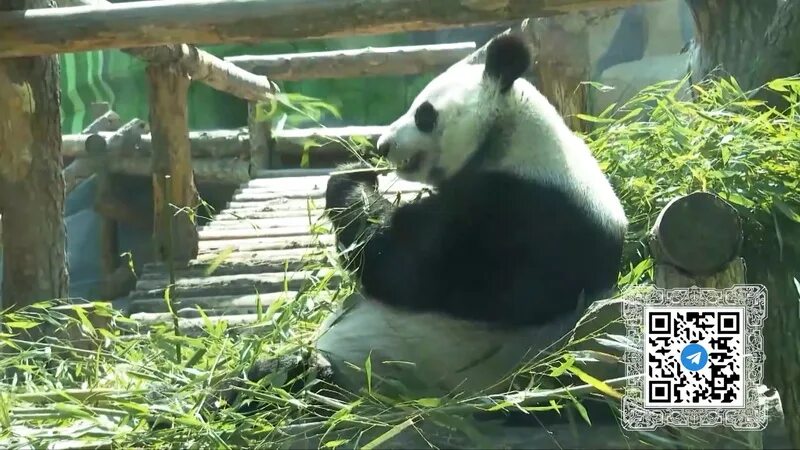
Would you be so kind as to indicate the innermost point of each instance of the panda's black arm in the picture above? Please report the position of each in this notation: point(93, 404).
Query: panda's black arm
point(355, 208)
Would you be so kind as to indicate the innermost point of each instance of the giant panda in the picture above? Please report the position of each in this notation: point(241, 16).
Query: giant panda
point(522, 227)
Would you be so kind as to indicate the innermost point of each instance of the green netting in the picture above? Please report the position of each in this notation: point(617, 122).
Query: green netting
point(114, 77)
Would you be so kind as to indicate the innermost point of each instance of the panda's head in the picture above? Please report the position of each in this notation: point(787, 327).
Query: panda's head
point(449, 119)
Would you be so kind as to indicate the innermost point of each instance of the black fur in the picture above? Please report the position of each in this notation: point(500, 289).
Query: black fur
point(487, 246)
point(507, 58)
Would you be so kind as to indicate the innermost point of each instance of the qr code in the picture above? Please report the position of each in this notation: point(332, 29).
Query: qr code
point(694, 357)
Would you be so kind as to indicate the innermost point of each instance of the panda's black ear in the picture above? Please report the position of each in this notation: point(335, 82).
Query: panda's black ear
point(507, 58)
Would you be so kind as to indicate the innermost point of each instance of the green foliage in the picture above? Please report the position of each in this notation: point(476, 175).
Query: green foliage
point(299, 111)
point(655, 147)
point(660, 145)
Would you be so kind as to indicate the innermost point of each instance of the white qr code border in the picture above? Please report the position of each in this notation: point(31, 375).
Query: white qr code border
point(753, 298)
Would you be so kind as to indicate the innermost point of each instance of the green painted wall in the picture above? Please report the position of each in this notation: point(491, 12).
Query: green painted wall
point(114, 77)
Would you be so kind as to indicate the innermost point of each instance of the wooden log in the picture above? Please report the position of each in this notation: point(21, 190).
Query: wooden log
point(204, 22)
point(361, 62)
point(174, 190)
point(83, 168)
point(210, 70)
point(236, 143)
point(123, 141)
point(226, 171)
point(211, 143)
point(696, 237)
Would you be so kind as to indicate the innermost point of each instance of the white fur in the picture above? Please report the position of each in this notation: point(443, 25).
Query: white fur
point(432, 354)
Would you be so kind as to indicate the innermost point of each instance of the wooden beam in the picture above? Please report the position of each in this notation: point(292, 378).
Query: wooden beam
point(201, 66)
point(204, 22)
point(174, 192)
point(210, 70)
point(361, 62)
point(205, 144)
point(222, 144)
point(222, 170)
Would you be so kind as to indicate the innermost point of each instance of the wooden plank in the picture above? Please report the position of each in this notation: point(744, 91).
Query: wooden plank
point(272, 222)
point(239, 284)
point(240, 304)
point(224, 233)
point(240, 324)
point(205, 22)
point(239, 254)
point(240, 263)
point(360, 62)
point(251, 214)
point(266, 243)
point(295, 206)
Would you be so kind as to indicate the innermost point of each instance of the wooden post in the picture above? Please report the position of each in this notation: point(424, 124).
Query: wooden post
point(171, 156)
point(31, 179)
point(98, 150)
point(262, 155)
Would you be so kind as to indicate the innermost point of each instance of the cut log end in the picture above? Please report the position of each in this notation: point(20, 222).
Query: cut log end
point(96, 145)
point(699, 233)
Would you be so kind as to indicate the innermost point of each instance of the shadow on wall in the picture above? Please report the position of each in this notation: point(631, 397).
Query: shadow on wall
point(646, 48)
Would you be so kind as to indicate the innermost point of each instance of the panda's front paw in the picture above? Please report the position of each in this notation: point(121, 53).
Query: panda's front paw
point(341, 186)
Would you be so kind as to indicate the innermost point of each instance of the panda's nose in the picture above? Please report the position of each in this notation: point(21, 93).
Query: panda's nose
point(383, 146)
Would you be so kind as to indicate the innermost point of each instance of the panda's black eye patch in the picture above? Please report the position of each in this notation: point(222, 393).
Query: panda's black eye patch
point(425, 117)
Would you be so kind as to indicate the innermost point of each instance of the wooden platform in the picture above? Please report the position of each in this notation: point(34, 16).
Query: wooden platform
point(266, 243)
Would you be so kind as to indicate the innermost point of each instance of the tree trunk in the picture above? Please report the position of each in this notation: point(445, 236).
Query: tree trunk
point(31, 181)
point(753, 41)
point(756, 42)
point(169, 87)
